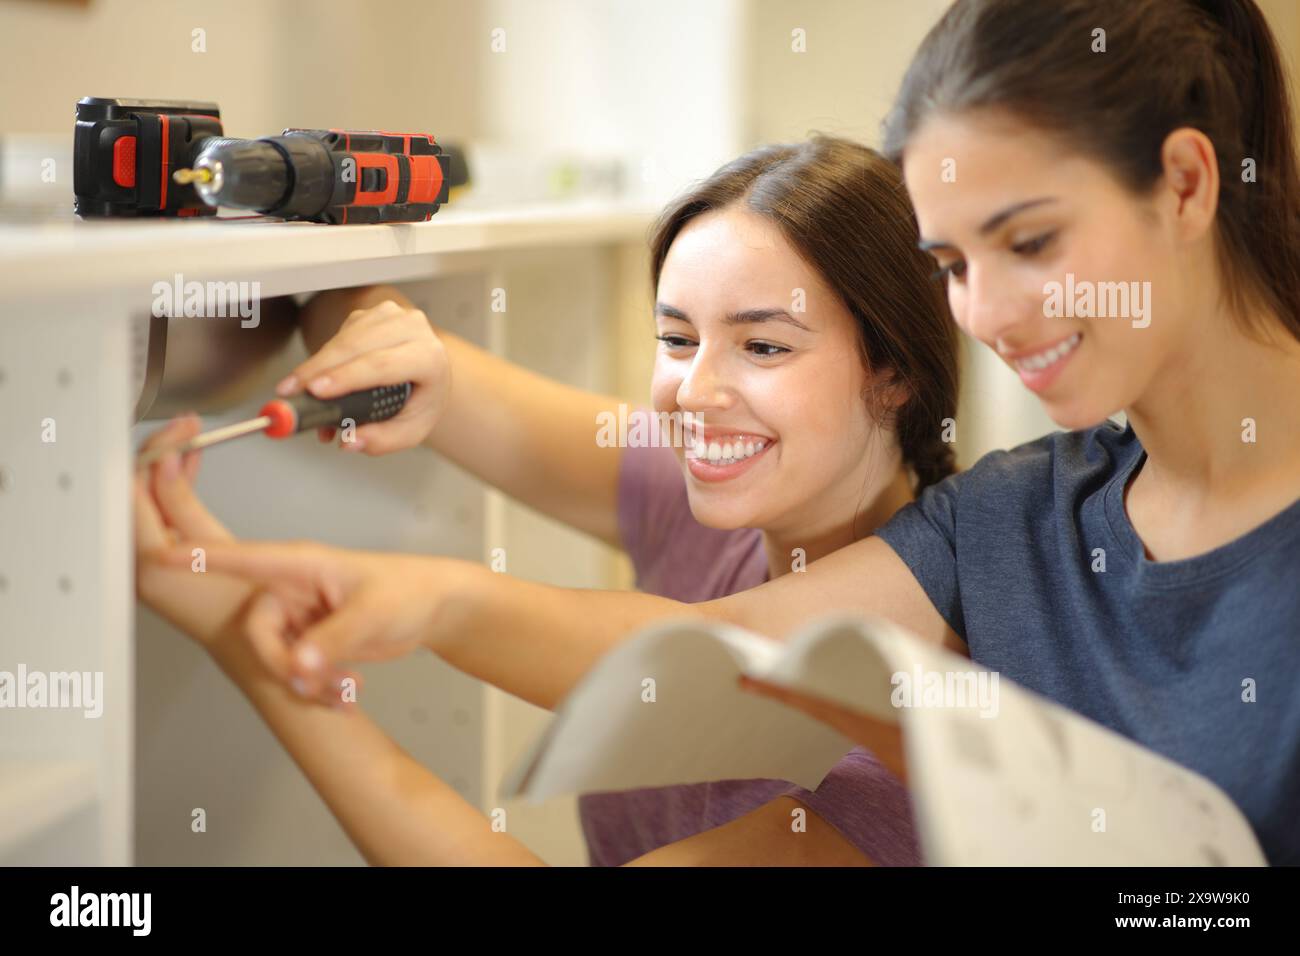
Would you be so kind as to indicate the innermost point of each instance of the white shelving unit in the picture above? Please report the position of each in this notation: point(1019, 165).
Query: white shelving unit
point(119, 788)
point(38, 794)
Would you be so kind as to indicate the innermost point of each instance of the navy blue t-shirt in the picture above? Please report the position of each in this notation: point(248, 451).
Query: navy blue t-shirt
point(1167, 653)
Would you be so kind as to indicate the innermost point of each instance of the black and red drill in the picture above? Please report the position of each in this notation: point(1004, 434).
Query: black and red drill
point(170, 158)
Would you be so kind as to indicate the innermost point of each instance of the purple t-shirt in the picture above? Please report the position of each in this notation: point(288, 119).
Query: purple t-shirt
point(677, 557)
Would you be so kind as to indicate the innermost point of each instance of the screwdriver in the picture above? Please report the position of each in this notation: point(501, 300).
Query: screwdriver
point(282, 417)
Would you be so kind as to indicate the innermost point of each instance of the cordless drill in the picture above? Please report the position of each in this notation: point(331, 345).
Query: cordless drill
point(170, 158)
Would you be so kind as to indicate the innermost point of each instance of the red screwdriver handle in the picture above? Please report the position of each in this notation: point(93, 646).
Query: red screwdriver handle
point(289, 416)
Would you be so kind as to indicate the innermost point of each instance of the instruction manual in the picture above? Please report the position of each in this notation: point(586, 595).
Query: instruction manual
point(998, 775)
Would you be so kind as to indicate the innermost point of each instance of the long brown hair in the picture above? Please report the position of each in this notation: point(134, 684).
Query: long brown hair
point(1211, 65)
point(844, 209)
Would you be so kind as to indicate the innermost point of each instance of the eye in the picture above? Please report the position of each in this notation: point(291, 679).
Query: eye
point(766, 349)
point(675, 341)
point(956, 269)
point(1034, 246)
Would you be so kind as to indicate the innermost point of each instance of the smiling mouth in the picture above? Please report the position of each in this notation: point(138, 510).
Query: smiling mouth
point(726, 451)
point(725, 458)
point(1040, 361)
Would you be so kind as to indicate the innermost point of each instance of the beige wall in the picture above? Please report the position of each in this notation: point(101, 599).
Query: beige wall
point(856, 53)
point(1284, 17)
point(268, 63)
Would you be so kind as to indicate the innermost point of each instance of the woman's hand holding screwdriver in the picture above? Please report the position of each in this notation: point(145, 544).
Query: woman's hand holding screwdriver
point(289, 601)
point(324, 606)
point(383, 340)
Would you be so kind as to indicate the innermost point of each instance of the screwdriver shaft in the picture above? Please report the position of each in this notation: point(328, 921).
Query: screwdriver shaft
point(224, 433)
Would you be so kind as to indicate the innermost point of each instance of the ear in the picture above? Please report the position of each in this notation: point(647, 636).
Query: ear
point(886, 391)
point(1191, 176)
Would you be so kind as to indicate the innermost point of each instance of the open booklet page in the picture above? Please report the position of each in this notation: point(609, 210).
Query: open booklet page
point(998, 774)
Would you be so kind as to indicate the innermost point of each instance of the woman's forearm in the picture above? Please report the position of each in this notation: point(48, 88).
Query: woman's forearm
point(530, 436)
point(536, 641)
point(395, 810)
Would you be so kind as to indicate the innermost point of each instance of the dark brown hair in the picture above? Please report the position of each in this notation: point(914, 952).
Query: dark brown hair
point(1211, 65)
point(844, 209)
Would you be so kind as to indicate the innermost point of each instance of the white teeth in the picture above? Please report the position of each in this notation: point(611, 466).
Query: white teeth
point(728, 452)
point(1042, 360)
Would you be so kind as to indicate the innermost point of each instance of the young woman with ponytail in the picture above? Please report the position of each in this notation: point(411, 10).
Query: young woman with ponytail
point(799, 325)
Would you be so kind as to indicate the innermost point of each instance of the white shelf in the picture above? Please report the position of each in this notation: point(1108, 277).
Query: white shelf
point(36, 794)
point(70, 295)
point(68, 257)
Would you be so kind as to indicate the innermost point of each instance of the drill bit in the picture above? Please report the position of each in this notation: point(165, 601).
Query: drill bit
point(187, 176)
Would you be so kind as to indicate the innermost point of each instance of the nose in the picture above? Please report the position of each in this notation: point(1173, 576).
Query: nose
point(705, 386)
point(992, 305)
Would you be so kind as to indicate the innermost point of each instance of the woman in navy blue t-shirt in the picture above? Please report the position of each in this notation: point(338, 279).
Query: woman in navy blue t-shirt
point(1111, 191)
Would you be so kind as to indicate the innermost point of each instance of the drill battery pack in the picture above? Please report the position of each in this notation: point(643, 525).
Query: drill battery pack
point(124, 153)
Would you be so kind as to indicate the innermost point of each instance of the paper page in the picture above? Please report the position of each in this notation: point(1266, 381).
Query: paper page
point(609, 734)
point(998, 775)
point(848, 660)
point(1003, 776)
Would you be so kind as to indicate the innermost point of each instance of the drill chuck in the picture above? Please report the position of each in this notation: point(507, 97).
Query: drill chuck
point(290, 176)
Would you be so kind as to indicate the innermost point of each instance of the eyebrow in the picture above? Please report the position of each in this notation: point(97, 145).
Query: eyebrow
point(997, 219)
point(743, 317)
